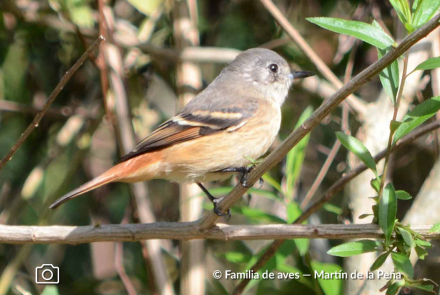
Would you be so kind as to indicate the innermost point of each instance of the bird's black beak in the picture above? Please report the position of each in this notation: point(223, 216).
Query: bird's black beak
point(301, 74)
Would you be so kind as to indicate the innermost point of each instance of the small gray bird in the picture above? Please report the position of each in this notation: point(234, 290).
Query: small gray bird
point(235, 119)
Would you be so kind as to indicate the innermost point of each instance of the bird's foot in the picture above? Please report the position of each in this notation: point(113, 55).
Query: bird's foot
point(217, 211)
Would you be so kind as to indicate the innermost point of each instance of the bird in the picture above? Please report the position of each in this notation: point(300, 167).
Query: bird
point(233, 120)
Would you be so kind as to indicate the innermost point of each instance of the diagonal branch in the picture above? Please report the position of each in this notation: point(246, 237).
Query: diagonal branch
point(354, 102)
point(49, 101)
point(327, 106)
point(331, 193)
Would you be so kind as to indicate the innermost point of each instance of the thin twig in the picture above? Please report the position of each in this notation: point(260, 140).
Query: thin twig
point(331, 193)
point(345, 116)
point(119, 262)
point(13, 234)
point(356, 104)
point(327, 106)
point(50, 100)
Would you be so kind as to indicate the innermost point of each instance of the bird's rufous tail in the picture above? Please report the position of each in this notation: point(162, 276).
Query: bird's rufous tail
point(106, 177)
point(132, 170)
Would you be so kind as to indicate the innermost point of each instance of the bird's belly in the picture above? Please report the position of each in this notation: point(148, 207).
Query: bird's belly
point(195, 161)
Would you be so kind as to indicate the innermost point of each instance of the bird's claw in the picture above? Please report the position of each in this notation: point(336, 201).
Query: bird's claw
point(217, 210)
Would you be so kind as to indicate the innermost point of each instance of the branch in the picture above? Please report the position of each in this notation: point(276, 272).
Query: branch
point(355, 103)
point(327, 106)
point(14, 234)
point(50, 100)
point(331, 193)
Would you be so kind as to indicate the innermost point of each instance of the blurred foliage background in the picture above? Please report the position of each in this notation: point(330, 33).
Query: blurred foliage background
point(39, 42)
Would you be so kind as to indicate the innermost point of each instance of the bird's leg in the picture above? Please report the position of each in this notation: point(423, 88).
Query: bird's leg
point(245, 171)
point(214, 201)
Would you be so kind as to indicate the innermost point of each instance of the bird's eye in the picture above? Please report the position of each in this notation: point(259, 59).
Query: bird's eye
point(273, 68)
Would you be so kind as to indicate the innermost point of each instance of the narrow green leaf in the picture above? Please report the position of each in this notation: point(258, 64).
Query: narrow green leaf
point(302, 245)
point(423, 11)
point(417, 116)
point(332, 208)
point(423, 284)
point(379, 261)
point(354, 248)
point(375, 184)
point(295, 157)
point(237, 257)
point(257, 215)
point(389, 77)
point(387, 211)
point(402, 264)
point(421, 253)
point(429, 64)
point(365, 216)
point(403, 195)
point(407, 237)
point(357, 148)
point(395, 288)
point(435, 228)
point(329, 286)
point(402, 9)
point(423, 243)
point(270, 180)
point(293, 212)
point(360, 30)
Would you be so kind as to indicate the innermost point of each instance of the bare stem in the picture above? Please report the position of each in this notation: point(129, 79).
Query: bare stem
point(331, 193)
point(49, 101)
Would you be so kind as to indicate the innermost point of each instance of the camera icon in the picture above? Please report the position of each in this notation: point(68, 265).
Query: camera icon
point(47, 274)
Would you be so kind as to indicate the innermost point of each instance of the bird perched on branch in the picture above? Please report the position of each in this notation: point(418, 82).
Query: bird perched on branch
point(235, 119)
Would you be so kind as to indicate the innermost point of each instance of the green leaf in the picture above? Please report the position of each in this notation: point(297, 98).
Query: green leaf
point(302, 245)
point(293, 212)
point(329, 286)
point(402, 264)
point(421, 253)
point(435, 228)
point(429, 64)
point(389, 77)
point(375, 184)
point(423, 243)
point(366, 32)
point(403, 11)
point(423, 284)
point(295, 157)
point(387, 211)
point(365, 216)
point(403, 195)
point(257, 215)
point(417, 116)
point(272, 182)
point(407, 237)
point(332, 208)
point(394, 125)
point(354, 248)
point(423, 11)
point(395, 288)
point(146, 7)
point(50, 290)
point(357, 148)
point(379, 261)
point(237, 257)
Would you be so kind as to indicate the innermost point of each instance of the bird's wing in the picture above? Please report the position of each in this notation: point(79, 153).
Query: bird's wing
point(201, 117)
